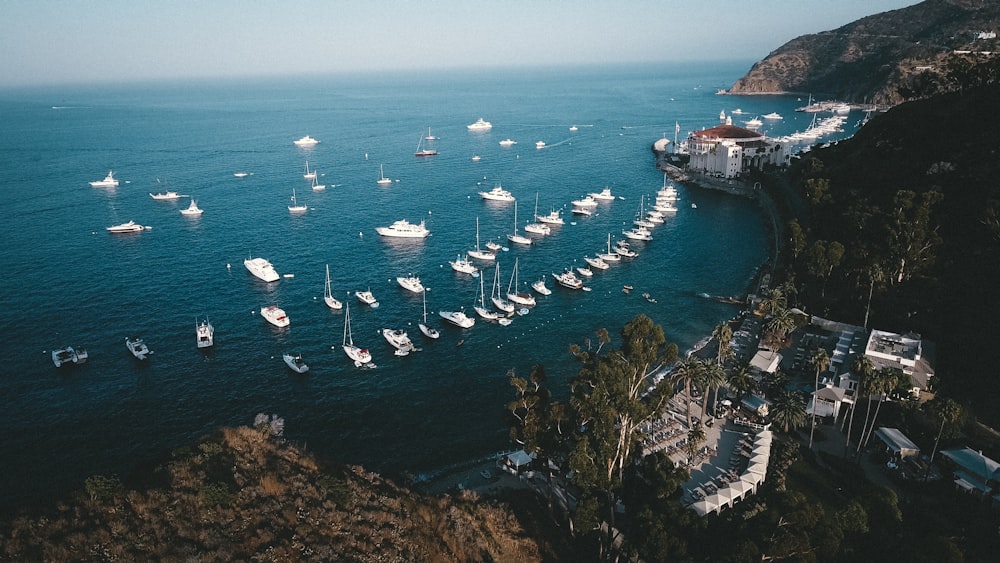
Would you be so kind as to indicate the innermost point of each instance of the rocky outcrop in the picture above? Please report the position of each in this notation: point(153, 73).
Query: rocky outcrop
point(886, 58)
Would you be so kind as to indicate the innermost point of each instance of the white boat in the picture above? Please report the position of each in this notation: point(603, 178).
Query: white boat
point(411, 283)
point(638, 233)
point(275, 315)
point(261, 268)
point(166, 196)
point(840, 108)
point(585, 271)
point(609, 256)
point(582, 211)
point(382, 180)
point(598, 263)
point(737, 111)
point(478, 253)
point(655, 217)
point(328, 298)
point(480, 125)
point(643, 223)
point(367, 297)
point(404, 229)
point(622, 249)
point(295, 207)
point(573, 128)
point(399, 340)
point(508, 143)
point(604, 195)
point(316, 186)
point(192, 210)
point(429, 331)
point(68, 355)
point(295, 363)
point(138, 348)
point(109, 181)
point(310, 174)
point(773, 115)
point(498, 194)
point(585, 202)
point(753, 123)
point(475, 158)
point(568, 279)
point(423, 151)
point(130, 227)
point(539, 286)
point(553, 218)
point(204, 333)
point(458, 318)
point(306, 141)
point(536, 227)
point(430, 137)
point(515, 296)
point(360, 355)
point(240, 174)
point(462, 265)
point(479, 306)
point(540, 145)
point(516, 238)
point(498, 301)
point(494, 247)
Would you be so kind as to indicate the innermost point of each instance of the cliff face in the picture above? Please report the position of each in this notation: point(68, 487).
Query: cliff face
point(886, 58)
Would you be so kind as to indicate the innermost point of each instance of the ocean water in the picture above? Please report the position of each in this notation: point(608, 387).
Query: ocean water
point(70, 282)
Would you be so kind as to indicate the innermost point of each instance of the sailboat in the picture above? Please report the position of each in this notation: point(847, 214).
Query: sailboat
point(295, 207)
point(498, 301)
point(310, 174)
point(430, 137)
point(328, 297)
point(360, 356)
point(480, 306)
point(478, 253)
point(609, 256)
point(516, 238)
point(421, 151)
point(521, 298)
point(382, 180)
point(429, 331)
point(536, 227)
point(316, 186)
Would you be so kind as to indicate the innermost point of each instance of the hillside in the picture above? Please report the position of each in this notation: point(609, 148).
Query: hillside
point(885, 58)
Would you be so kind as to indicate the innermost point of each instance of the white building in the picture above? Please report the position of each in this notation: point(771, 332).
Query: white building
point(726, 151)
point(907, 352)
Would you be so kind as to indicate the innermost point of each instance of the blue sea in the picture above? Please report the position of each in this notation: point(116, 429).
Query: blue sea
point(69, 282)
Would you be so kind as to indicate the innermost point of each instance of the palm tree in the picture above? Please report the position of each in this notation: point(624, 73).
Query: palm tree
point(741, 381)
point(875, 275)
point(723, 334)
point(820, 361)
point(948, 411)
point(883, 382)
point(774, 302)
point(712, 376)
point(862, 368)
point(694, 440)
point(788, 410)
point(777, 327)
point(683, 375)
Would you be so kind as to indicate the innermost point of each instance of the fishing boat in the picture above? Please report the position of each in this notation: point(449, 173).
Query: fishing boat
point(622, 249)
point(478, 253)
point(295, 207)
point(295, 363)
point(458, 318)
point(480, 125)
point(382, 180)
point(609, 256)
point(261, 269)
point(539, 286)
point(306, 141)
point(462, 265)
point(411, 283)
point(516, 238)
point(495, 296)
point(367, 297)
point(585, 202)
point(360, 355)
point(204, 333)
point(310, 174)
point(130, 227)
point(138, 348)
point(429, 331)
point(515, 296)
point(479, 306)
point(275, 315)
point(192, 210)
point(68, 355)
point(596, 263)
point(568, 279)
point(328, 298)
point(604, 195)
point(404, 229)
point(423, 151)
point(109, 181)
point(399, 340)
point(498, 194)
point(536, 227)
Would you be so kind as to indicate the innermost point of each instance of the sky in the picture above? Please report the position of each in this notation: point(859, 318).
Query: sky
point(45, 42)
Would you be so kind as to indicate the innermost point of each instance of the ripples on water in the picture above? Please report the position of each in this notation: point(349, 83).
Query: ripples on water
point(69, 282)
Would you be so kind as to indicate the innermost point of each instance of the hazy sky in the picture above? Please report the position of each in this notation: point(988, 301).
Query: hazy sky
point(47, 41)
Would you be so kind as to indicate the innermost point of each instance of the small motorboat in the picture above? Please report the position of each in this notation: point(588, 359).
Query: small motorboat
point(295, 363)
point(138, 348)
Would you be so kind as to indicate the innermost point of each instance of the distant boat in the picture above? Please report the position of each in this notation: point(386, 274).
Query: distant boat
point(423, 151)
point(568, 279)
point(573, 128)
point(585, 202)
point(328, 297)
point(498, 194)
point(261, 268)
point(597, 262)
point(553, 218)
point(480, 305)
point(360, 355)
point(495, 296)
point(585, 272)
point(429, 331)
point(737, 111)
point(240, 174)
point(540, 145)
point(508, 142)
point(130, 227)
point(204, 333)
point(753, 123)
point(430, 137)
point(475, 158)
point(382, 180)
point(166, 196)
point(316, 186)
point(403, 229)
point(604, 194)
point(536, 227)
point(306, 141)
point(772, 115)
point(295, 207)
point(138, 348)
point(192, 210)
point(295, 363)
point(480, 125)
point(275, 315)
point(609, 256)
point(109, 181)
point(310, 174)
point(462, 265)
point(67, 355)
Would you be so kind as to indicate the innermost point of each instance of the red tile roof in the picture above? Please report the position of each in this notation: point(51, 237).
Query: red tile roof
point(728, 132)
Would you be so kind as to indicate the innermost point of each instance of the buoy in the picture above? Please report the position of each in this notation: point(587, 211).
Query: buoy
point(229, 266)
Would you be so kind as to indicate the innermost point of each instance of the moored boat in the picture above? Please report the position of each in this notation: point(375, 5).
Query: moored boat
point(539, 286)
point(462, 265)
point(367, 297)
point(261, 269)
point(361, 356)
point(130, 227)
point(109, 181)
point(411, 283)
point(138, 348)
point(404, 229)
point(204, 333)
point(275, 315)
point(192, 210)
point(458, 318)
point(568, 279)
point(295, 363)
point(399, 340)
point(68, 355)
point(480, 125)
point(166, 196)
point(598, 262)
point(498, 194)
point(306, 141)
point(328, 298)
point(604, 194)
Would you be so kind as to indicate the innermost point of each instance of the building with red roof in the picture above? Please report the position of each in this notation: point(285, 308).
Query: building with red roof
point(726, 151)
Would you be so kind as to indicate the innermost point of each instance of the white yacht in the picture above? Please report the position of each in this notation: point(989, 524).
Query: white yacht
point(109, 181)
point(295, 363)
point(240, 174)
point(166, 196)
point(68, 355)
point(361, 356)
point(540, 145)
point(498, 194)
point(192, 210)
point(553, 218)
point(458, 318)
point(773, 115)
point(130, 227)
point(638, 233)
point(138, 348)
point(598, 263)
point(508, 142)
point(399, 340)
point(261, 268)
point(753, 123)
point(604, 195)
point(568, 279)
point(582, 211)
point(585, 271)
point(404, 229)
point(539, 286)
point(462, 265)
point(480, 125)
point(367, 297)
point(275, 315)
point(585, 202)
point(306, 141)
point(411, 283)
point(328, 298)
point(515, 296)
point(204, 333)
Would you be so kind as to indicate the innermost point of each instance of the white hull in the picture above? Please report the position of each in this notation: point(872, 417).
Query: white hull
point(458, 318)
point(295, 363)
point(404, 229)
point(275, 316)
point(540, 287)
point(261, 269)
point(205, 334)
point(138, 348)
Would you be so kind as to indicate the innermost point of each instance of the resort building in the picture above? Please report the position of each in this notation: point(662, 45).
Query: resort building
point(975, 473)
point(726, 151)
point(907, 352)
point(897, 445)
